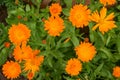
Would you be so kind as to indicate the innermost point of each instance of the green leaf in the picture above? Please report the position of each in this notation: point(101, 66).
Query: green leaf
point(27, 8)
point(75, 40)
point(107, 52)
point(66, 11)
point(68, 3)
point(3, 56)
point(98, 69)
point(118, 44)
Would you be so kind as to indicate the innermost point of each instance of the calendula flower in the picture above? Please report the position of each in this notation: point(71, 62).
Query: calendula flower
point(116, 71)
point(54, 26)
point(85, 51)
point(19, 33)
point(33, 64)
point(79, 16)
point(30, 76)
point(107, 2)
point(11, 69)
point(7, 44)
point(73, 67)
point(22, 52)
point(55, 9)
point(105, 23)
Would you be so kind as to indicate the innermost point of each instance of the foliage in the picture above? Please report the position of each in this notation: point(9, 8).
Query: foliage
point(57, 50)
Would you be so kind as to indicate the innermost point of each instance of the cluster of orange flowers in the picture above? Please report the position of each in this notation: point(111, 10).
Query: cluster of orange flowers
point(80, 16)
point(54, 24)
point(19, 35)
point(85, 52)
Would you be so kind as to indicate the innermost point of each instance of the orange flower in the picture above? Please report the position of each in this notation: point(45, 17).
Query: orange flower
point(54, 26)
point(11, 69)
point(19, 33)
point(23, 52)
point(79, 16)
point(107, 2)
point(85, 51)
point(55, 9)
point(33, 64)
point(19, 17)
point(116, 71)
point(7, 44)
point(105, 23)
point(30, 76)
point(73, 67)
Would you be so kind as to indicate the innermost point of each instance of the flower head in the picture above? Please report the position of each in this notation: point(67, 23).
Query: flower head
point(79, 15)
point(73, 67)
point(107, 2)
point(54, 25)
point(116, 71)
point(85, 51)
point(33, 64)
point(7, 44)
point(105, 23)
point(22, 52)
point(30, 76)
point(19, 33)
point(55, 9)
point(11, 69)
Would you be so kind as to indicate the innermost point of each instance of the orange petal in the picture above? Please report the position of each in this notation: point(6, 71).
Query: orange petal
point(103, 12)
point(95, 27)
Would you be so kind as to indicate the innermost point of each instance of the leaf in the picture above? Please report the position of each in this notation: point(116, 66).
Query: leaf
point(27, 8)
point(3, 56)
point(75, 40)
point(107, 52)
point(68, 3)
point(118, 44)
point(66, 11)
point(98, 69)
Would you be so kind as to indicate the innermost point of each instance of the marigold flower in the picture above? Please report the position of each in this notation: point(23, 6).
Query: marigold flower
point(55, 9)
point(85, 51)
point(116, 71)
point(107, 2)
point(19, 33)
point(33, 64)
point(19, 17)
point(54, 25)
point(79, 16)
point(22, 52)
point(7, 44)
point(11, 69)
point(30, 76)
point(105, 23)
point(73, 67)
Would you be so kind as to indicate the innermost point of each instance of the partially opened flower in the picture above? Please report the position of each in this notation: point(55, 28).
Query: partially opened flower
point(11, 69)
point(54, 26)
point(19, 33)
point(85, 51)
point(73, 67)
point(105, 23)
point(116, 71)
point(79, 16)
point(107, 2)
point(30, 76)
point(55, 9)
point(33, 64)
